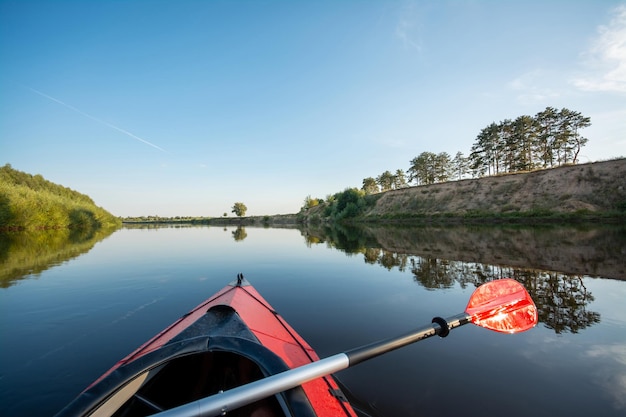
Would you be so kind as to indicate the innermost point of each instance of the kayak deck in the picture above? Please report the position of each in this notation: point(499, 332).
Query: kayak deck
point(233, 338)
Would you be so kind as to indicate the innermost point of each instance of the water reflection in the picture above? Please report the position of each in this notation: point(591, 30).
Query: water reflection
point(595, 251)
point(155, 226)
point(239, 234)
point(550, 262)
point(23, 253)
point(563, 299)
point(137, 281)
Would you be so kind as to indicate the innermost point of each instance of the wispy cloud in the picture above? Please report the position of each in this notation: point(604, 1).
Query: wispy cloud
point(605, 61)
point(407, 29)
point(127, 133)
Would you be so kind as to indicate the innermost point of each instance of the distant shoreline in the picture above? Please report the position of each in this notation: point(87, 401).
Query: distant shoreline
point(593, 193)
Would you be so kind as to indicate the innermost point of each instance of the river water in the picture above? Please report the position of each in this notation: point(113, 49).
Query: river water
point(71, 306)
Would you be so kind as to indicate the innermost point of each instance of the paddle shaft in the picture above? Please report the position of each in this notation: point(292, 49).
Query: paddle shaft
point(226, 401)
point(360, 354)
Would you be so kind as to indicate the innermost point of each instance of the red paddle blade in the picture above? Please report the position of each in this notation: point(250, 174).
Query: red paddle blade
point(503, 305)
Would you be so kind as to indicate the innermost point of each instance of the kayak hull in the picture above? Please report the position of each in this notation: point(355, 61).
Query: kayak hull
point(232, 338)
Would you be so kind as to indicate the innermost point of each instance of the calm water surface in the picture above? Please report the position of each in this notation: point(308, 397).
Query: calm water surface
point(63, 327)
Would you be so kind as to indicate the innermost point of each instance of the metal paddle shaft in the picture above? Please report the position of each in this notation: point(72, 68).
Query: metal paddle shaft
point(439, 327)
point(226, 401)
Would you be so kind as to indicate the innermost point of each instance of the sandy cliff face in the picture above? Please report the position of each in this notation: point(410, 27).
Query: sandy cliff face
point(594, 187)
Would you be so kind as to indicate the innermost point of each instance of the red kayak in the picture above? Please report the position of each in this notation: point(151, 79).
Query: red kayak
point(233, 355)
point(233, 338)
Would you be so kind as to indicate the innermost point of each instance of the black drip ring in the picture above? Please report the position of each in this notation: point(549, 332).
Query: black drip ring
point(445, 330)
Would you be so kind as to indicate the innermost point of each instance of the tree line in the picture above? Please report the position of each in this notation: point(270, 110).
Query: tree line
point(550, 138)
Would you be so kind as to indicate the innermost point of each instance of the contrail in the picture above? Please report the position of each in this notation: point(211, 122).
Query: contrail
point(127, 133)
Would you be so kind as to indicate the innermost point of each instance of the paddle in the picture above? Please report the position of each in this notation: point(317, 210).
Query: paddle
point(503, 306)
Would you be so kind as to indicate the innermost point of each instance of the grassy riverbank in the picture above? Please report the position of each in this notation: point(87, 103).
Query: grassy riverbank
point(30, 202)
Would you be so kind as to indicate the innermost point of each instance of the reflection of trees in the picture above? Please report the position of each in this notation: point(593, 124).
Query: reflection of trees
point(32, 252)
point(371, 255)
point(349, 239)
point(155, 225)
point(239, 234)
point(561, 298)
point(385, 258)
point(432, 273)
point(390, 260)
point(594, 251)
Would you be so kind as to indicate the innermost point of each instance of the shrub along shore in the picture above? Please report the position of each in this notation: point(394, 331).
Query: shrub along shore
point(30, 202)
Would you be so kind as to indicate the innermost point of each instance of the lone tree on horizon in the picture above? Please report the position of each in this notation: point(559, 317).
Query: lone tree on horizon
point(239, 209)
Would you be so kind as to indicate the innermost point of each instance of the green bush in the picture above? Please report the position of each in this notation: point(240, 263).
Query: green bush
point(347, 204)
point(28, 202)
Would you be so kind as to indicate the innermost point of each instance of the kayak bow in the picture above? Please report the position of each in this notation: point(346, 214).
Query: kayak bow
point(233, 338)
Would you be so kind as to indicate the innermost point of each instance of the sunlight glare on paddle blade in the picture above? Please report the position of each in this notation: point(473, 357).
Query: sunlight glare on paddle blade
point(503, 306)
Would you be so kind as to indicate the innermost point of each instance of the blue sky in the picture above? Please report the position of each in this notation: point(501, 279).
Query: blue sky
point(185, 107)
